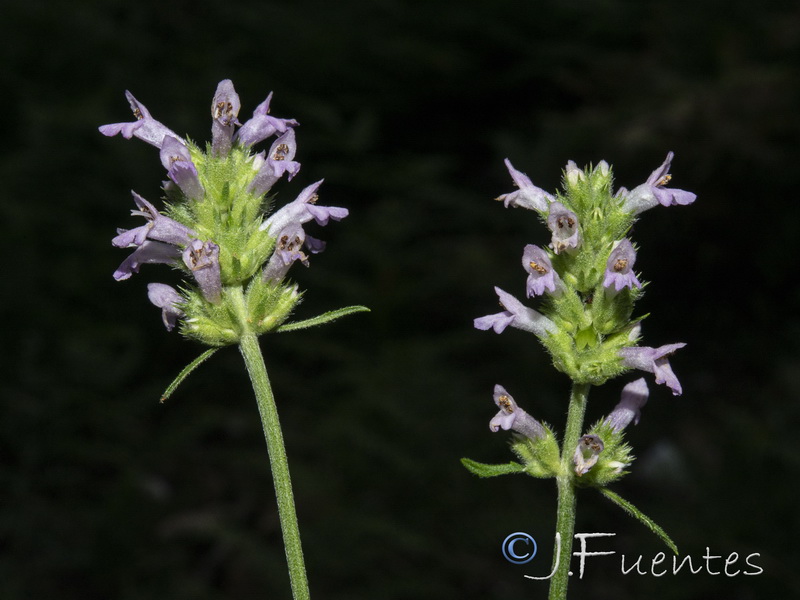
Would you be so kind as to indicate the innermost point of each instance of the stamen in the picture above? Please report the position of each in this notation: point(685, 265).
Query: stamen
point(505, 404)
point(280, 152)
point(664, 180)
point(570, 222)
point(538, 268)
point(620, 264)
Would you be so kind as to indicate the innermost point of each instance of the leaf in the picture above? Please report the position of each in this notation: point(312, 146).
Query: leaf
point(185, 373)
point(323, 318)
point(484, 470)
point(635, 512)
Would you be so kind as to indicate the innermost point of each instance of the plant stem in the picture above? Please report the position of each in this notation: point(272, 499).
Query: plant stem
point(253, 359)
point(565, 522)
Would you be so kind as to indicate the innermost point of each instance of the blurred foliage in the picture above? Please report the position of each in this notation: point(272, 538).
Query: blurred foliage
point(407, 110)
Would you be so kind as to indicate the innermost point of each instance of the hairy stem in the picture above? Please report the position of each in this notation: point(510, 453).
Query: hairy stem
point(565, 522)
point(251, 351)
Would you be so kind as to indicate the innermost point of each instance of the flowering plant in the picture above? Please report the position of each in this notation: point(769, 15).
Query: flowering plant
point(586, 279)
point(236, 258)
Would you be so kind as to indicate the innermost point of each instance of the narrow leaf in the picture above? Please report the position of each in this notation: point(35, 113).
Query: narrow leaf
point(323, 318)
point(185, 373)
point(484, 470)
point(635, 512)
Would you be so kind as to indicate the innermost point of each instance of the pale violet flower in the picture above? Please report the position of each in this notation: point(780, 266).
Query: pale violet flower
point(563, 224)
point(166, 298)
point(202, 259)
point(654, 191)
point(181, 170)
point(148, 253)
point(516, 315)
point(224, 109)
point(145, 127)
point(262, 125)
point(157, 228)
point(528, 195)
point(541, 275)
point(277, 162)
point(633, 398)
point(586, 453)
point(654, 360)
point(619, 268)
point(513, 417)
point(303, 209)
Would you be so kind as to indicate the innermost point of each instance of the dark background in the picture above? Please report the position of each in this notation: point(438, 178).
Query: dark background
point(407, 110)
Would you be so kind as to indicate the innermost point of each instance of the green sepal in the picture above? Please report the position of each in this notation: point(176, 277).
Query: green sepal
point(321, 319)
point(185, 373)
point(540, 457)
point(484, 470)
point(636, 513)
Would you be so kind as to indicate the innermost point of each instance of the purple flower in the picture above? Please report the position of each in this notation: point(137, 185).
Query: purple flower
point(513, 417)
point(619, 268)
point(303, 209)
point(541, 275)
point(145, 127)
point(148, 252)
point(158, 228)
point(166, 298)
point(653, 191)
point(288, 249)
point(528, 195)
point(224, 109)
point(634, 397)
point(262, 126)
point(653, 360)
point(563, 224)
point(586, 453)
point(202, 258)
point(176, 159)
point(517, 315)
point(278, 161)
